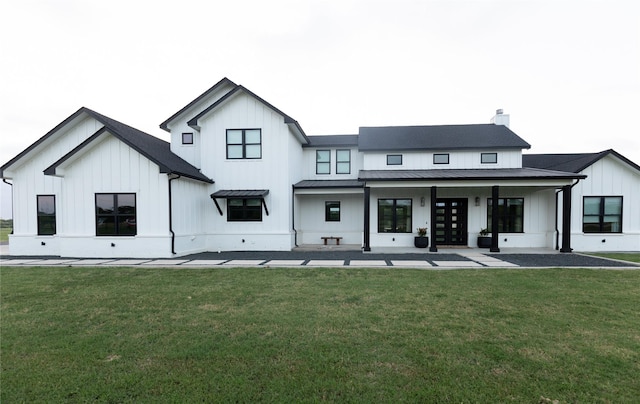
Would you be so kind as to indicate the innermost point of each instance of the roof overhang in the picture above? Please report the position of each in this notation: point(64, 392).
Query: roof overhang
point(530, 177)
point(294, 126)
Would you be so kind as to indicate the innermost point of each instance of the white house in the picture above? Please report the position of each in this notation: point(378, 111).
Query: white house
point(239, 174)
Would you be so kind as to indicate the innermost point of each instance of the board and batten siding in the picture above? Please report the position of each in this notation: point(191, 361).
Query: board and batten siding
point(311, 223)
point(29, 181)
point(111, 166)
point(458, 159)
point(190, 204)
point(608, 177)
point(269, 172)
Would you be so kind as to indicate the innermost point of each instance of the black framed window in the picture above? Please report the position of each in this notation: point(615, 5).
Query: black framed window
point(510, 215)
point(323, 161)
point(343, 161)
point(116, 215)
point(442, 158)
point(187, 138)
point(244, 144)
point(394, 159)
point(332, 211)
point(46, 215)
point(394, 216)
point(244, 210)
point(488, 158)
point(602, 214)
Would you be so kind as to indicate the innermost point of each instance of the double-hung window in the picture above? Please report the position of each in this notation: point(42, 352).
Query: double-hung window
point(510, 215)
point(116, 215)
point(343, 161)
point(323, 161)
point(46, 215)
point(394, 216)
point(244, 144)
point(602, 214)
point(244, 210)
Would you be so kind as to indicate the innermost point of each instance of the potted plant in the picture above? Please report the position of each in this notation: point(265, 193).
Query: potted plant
point(484, 239)
point(421, 240)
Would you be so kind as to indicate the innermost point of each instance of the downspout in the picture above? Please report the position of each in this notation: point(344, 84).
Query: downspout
point(557, 229)
point(293, 216)
point(11, 185)
point(173, 235)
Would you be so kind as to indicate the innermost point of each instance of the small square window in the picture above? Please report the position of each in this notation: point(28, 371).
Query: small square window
point(394, 159)
point(488, 158)
point(332, 211)
point(187, 138)
point(441, 158)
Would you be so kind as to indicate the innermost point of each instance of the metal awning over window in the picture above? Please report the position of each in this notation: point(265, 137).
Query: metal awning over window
point(240, 194)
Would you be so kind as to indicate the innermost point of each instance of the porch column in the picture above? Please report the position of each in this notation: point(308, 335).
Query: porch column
point(494, 219)
point(367, 218)
point(566, 219)
point(434, 197)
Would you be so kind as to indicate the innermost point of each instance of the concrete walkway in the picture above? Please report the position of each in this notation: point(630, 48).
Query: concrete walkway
point(380, 258)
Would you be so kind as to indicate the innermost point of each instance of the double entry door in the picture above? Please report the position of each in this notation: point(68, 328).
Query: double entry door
point(451, 221)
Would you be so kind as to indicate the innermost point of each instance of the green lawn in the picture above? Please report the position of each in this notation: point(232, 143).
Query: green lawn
point(309, 335)
point(4, 233)
point(633, 257)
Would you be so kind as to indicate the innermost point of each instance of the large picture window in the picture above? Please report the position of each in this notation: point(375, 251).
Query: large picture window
point(343, 161)
point(46, 215)
point(323, 161)
point(510, 215)
point(244, 210)
point(394, 216)
point(244, 144)
point(116, 215)
point(602, 214)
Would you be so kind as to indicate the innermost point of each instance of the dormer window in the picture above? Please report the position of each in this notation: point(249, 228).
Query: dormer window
point(394, 159)
point(489, 158)
point(442, 158)
point(187, 138)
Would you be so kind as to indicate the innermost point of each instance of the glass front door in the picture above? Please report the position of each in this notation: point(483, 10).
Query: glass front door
point(451, 222)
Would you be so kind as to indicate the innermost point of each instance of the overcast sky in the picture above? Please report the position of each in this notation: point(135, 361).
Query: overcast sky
point(567, 71)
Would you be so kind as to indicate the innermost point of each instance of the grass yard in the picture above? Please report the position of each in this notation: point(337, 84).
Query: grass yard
point(4, 233)
point(309, 335)
point(632, 257)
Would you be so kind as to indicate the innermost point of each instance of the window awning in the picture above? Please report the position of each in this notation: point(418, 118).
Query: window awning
point(240, 194)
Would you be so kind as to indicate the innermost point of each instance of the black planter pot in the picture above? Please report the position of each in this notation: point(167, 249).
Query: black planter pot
point(421, 241)
point(484, 241)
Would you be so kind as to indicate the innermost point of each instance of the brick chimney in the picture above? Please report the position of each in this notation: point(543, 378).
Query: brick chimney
point(500, 118)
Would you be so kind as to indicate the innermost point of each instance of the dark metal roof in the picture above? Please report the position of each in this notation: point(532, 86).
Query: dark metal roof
point(329, 184)
point(165, 125)
point(572, 162)
point(240, 193)
point(442, 137)
point(332, 141)
point(156, 150)
point(465, 174)
point(193, 122)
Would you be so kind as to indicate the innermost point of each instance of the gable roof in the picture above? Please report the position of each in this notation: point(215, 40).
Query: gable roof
point(165, 125)
point(193, 122)
point(156, 150)
point(571, 162)
point(439, 137)
point(332, 141)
